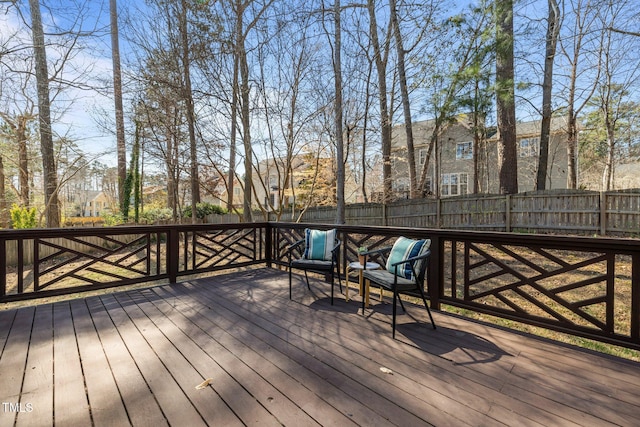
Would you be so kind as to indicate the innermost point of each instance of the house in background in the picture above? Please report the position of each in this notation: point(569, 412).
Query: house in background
point(309, 180)
point(220, 193)
point(96, 204)
point(452, 157)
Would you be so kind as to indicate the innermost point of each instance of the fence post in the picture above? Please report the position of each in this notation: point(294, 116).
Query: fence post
point(603, 213)
point(507, 218)
point(438, 212)
point(384, 214)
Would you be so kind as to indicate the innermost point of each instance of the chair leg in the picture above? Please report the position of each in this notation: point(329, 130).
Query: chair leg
point(395, 297)
point(289, 282)
point(427, 306)
point(332, 287)
point(307, 277)
point(402, 304)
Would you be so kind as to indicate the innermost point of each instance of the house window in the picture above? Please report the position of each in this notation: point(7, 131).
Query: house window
point(422, 156)
point(401, 185)
point(453, 184)
point(529, 147)
point(464, 150)
point(270, 200)
point(273, 182)
point(236, 191)
point(428, 186)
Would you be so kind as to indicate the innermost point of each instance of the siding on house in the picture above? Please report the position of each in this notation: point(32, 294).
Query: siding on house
point(454, 153)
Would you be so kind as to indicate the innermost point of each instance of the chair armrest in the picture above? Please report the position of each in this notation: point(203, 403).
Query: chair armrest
point(379, 251)
point(376, 251)
point(294, 245)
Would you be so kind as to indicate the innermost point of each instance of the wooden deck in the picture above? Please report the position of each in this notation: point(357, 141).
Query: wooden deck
point(136, 358)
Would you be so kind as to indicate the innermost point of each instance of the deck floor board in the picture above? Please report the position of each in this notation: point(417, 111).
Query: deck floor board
point(135, 358)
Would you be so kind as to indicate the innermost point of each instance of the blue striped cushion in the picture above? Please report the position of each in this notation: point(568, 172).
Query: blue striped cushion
point(318, 244)
point(405, 248)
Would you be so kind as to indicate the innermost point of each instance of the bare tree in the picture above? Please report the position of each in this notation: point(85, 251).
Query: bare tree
point(619, 74)
point(52, 208)
point(187, 95)
point(581, 52)
point(553, 29)
point(380, 54)
point(337, 73)
point(117, 97)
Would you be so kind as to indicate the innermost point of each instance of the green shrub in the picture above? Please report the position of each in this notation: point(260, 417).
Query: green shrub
point(112, 219)
point(203, 209)
point(150, 216)
point(23, 217)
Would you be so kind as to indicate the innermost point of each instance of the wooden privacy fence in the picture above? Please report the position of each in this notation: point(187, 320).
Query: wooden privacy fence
point(612, 213)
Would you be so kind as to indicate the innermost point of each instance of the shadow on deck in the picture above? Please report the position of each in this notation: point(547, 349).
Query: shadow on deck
point(136, 358)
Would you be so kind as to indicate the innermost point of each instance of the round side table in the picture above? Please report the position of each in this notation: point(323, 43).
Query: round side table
point(355, 265)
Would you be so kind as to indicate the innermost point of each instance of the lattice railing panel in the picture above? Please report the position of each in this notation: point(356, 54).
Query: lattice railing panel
point(565, 287)
point(208, 250)
point(94, 260)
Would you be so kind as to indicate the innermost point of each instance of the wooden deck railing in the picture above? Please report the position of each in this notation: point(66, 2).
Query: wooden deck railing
point(39, 263)
point(588, 287)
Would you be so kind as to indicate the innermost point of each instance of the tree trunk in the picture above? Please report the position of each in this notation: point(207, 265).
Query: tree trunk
point(52, 208)
point(188, 98)
point(553, 28)
point(607, 173)
point(406, 106)
point(572, 149)
point(234, 132)
point(476, 144)
point(505, 103)
point(117, 96)
point(244, 116)
point(4, 210)
point(385, 125)
point(23, 160)
point(337, 71)
point(365, 126)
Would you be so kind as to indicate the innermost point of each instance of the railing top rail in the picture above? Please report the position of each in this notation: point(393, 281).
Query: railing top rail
point(32, 233)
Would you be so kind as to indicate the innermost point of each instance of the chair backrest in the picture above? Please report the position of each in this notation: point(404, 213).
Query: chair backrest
point(319, 244)
point(421, 268)
point(404, 249)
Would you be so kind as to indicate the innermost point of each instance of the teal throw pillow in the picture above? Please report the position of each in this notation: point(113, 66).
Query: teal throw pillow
point(405, 248)
point(318, 244)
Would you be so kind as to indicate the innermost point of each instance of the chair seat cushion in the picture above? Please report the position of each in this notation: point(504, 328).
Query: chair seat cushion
point(318, 244)
point(405, 248)
point(312, 264)
point(386, 280)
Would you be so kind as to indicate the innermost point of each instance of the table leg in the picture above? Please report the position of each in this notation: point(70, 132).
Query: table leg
point(367, 285)
point(346, 295)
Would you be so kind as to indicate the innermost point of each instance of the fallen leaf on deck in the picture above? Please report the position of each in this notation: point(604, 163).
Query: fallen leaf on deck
point(204, 384)
point(386, 370)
